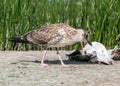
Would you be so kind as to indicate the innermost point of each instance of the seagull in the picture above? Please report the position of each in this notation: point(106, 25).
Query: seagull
point(53, 35)
point(99, 50)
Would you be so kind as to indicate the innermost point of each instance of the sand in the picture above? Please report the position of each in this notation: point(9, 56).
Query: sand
point(22, 68)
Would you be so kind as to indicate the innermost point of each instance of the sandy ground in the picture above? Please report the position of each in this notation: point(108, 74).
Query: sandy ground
point(22, 68)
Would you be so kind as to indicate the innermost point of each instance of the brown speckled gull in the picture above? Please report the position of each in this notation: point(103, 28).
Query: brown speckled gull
point(54, 35)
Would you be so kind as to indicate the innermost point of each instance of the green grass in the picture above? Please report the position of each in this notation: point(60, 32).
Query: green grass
point(100, 17)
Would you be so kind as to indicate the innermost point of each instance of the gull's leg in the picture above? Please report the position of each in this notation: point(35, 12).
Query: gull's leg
point(62, 63)
point(42, 61)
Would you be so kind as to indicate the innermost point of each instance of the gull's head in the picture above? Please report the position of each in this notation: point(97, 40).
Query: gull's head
point(83, 35)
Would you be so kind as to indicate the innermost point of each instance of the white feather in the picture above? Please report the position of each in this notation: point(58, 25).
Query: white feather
point(101, 52)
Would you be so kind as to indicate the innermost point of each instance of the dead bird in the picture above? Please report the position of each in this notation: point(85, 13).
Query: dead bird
point(77, 56)
point(101, 52)
point(95, 53)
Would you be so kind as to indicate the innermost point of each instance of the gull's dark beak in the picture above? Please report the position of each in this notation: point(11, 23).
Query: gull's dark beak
point(89, 42)
point(86, 38)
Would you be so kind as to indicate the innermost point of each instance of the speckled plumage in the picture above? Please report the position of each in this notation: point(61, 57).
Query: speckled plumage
point(115, 54)
point(54, 35)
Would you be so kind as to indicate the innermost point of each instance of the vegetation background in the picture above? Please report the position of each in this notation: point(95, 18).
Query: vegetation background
point(100, 17)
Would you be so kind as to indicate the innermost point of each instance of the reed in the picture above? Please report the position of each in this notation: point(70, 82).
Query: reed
point(100, 17)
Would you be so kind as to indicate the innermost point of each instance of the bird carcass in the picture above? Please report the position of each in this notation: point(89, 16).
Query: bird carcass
point(95, 53)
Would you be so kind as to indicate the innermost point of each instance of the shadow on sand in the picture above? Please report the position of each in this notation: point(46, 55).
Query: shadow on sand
point(56, 62)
